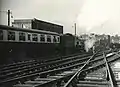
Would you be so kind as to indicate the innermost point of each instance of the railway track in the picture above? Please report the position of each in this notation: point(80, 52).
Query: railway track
point(55, 75)
point(15, 72)
point(95, 77)
point(27, 65)
point(64, 65)
point(60, 76)
point(24, 63)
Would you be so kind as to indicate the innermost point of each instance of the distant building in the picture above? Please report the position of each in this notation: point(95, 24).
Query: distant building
point(115, 39)
point(23, 23)
point(37, 24)
point(84, 36)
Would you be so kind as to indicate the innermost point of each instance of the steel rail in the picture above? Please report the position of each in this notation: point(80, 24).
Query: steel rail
point(58, 79)
point(79, 71)
point(108, 70)
point(39, 73)
point(44, 63)
point(43, 67)
point(35, 74)
point(99, 65)
point(15, 65)
point(55, 66)
point(19, 64)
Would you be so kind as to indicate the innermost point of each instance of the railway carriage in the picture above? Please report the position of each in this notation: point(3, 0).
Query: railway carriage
point(27, 42)
point(18, 44)
point(13, 34)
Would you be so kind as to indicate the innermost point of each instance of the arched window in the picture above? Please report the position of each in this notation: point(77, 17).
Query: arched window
point(48, 38)
point(1, 35)
point(21, 36)
point(11, 35)
point(54, 39)
point(58, 39)
point(34, 37)
point(29, 36)
point(42, 38)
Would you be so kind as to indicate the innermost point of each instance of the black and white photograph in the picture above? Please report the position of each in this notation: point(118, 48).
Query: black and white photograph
point(59, 43)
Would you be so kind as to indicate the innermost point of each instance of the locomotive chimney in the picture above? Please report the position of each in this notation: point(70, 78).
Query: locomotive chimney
point(108, 41)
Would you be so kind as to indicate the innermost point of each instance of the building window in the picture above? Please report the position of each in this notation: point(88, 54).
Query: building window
point(1, 35)
point(58, 39)
point(29, 36)
point(42, 38)
point(54, 39)
point(48, 38)
point(11, 35)
point(22, 25)
point(21, 36)
point(34, 37)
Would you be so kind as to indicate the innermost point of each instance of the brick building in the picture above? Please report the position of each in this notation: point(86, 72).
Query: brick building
point(37, 24)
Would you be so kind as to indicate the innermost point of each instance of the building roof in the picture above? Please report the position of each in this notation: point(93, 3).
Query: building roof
point(22, 20)
point(27, 30)
point(34, 19)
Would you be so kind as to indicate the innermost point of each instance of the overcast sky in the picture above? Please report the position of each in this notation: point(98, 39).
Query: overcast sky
point(99, 16)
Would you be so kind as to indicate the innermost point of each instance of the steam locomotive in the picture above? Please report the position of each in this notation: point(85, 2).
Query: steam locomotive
point(18, 44)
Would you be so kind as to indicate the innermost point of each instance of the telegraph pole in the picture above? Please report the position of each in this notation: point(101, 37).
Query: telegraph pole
point(75, 33)
point(75, 28)
point(8, 17)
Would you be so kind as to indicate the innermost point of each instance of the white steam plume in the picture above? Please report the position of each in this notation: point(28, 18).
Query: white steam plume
point(96, 12)
point(89, 44)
